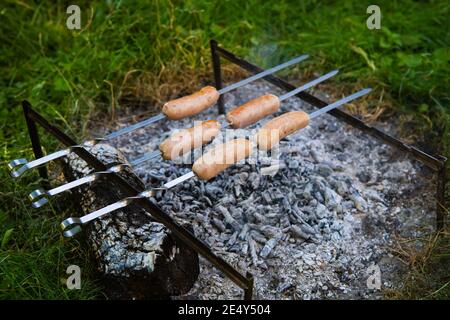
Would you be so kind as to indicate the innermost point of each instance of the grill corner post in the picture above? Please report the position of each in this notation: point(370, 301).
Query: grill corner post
point(217, 74)
point(35, 140)
point(248, 292)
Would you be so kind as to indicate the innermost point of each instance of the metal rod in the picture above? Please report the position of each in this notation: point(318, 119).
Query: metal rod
point(263, 74)
point(25, 165)
point(35, 141)
point(308, 85)
point(146, 157)
point(39, 197)
point(340, 102)
point(217, 75)
point(71, 226)
point(248, 293)
point(133, 127)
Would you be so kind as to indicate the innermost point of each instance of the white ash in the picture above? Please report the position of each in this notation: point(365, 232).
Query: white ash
point(312, 229)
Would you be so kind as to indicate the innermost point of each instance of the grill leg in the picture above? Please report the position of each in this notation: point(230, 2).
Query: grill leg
point(34, 137)
point(248, 293)
point(440, 196)
point(217, 74)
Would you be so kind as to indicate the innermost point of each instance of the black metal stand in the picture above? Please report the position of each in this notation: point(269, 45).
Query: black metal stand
point(32, 117)
point(217, 74)
point(435, 163)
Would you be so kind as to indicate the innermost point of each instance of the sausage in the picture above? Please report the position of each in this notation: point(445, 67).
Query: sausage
point(188, 139)
point(253, 110)
point(192, 104)
point(221, 157)
point(276, 129)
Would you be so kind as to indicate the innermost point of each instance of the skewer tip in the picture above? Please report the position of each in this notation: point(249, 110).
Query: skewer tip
point(334, 72)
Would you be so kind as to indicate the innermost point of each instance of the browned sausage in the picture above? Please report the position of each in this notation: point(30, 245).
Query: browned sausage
point(221, 157)
point(253, 111)
point(189, 139)
point(192, 104)
point(276, 129)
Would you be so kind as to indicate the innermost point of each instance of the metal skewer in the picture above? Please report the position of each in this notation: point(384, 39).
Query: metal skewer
point(25, 165)
point(72, 226)
point(339, 103)
point(39, 196)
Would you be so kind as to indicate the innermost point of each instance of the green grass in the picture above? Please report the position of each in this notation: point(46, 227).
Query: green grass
point(159, 48)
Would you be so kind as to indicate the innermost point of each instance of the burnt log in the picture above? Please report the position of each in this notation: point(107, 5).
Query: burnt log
point(136, 257)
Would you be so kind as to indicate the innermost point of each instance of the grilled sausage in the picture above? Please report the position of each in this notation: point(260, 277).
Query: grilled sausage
point(276, 129)
point(253, 111)
point(189, 139)
point(192, 104)
point(221, 157)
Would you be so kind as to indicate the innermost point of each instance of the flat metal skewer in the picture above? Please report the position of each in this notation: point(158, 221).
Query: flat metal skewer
point(339, 103)
point(72, 226)
point(25, 165)
point(308, 85)
point(39, 197)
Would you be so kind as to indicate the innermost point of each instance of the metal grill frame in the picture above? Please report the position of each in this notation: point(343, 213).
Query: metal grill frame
point(33, 118)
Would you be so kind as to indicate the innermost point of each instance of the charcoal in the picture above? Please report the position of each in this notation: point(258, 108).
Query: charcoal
point(253, 251)
point(244, 232)
point(228, 219)
point(232, 239)
point(258, 237)
point(293, 164)
point(219, 224)
point(324, 170)
point(269, 246)
point(315, 197)
point(358, 200)
point(298, 232)
point(306, 228)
